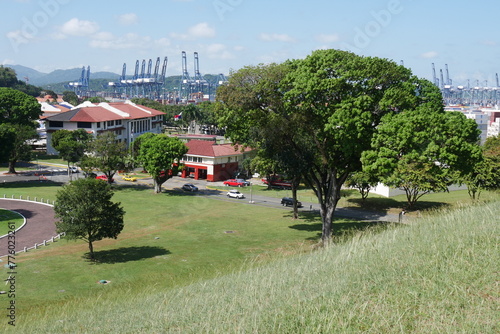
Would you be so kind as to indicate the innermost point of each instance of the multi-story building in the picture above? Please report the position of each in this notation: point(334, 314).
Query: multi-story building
point(126, 119)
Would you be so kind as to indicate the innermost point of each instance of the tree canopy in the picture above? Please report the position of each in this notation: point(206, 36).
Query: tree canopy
point(160, 156)
point(18, 113)
point(325, 109)
point(86, 212)
point(423, 150)
point(71, 145)
point(106, 154)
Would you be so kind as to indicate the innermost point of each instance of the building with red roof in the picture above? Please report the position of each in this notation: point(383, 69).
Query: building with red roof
point(126, 119)
point(208, 160)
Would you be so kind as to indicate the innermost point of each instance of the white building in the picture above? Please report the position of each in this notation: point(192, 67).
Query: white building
point(126, 119)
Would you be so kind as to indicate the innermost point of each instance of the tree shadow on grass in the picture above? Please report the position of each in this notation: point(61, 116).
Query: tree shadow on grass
point(386, 204)
point(29, 184)
point(342, 228)
point(127, 254)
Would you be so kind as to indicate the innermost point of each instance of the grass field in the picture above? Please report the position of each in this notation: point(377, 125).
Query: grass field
point(190, 264)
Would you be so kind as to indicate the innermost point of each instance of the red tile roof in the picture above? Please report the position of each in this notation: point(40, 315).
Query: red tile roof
point(210, 149)
point(102, 112)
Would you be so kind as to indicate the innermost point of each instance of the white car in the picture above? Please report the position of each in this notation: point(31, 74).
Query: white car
point(235, 194)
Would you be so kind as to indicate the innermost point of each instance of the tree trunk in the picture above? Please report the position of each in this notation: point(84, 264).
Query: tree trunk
point(12, 167)
point(91, 250)
point(157, 187)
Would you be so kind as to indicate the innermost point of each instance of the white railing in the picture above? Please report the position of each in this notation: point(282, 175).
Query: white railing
point(40, 201)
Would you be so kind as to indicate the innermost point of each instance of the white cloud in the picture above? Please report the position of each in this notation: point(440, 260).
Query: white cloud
point(430, 54)
point(327, 39)
point(103, 36)
point(76, 27)
point(8, 61)
point(276, 38)
point(128, 19)
point(106, 40)
point(490, 43)
point(200, 30)
point(218, 51)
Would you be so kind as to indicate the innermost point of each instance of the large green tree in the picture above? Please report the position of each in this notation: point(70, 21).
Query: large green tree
point(160, 156)
point(423, 150)
point(330, 104)
point(18, 113)
point(86, 212)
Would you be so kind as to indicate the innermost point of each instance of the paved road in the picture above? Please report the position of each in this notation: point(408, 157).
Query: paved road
point(39, 224)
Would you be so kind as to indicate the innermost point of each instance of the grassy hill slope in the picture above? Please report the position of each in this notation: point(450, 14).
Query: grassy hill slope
point(436, 275)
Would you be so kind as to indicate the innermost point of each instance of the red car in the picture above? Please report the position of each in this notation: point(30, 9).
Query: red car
point(104, 178)
point(236, 183)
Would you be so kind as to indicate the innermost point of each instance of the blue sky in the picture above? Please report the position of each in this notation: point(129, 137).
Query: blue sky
point(229, 34)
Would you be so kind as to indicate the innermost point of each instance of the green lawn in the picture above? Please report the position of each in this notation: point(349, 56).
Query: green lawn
point(9, 219)
point(170, 240)
point(174, 270)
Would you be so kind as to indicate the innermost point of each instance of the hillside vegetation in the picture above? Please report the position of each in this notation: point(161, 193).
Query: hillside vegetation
point(435, 275)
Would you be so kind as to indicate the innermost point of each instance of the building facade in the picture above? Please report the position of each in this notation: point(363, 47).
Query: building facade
point(126, 119)
point(210, 161)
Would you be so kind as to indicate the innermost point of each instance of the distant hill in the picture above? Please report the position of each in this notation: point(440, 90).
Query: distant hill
point(58, 80)
point(41, 79)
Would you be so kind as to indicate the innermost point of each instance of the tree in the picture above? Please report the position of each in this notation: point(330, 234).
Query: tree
point(18, 113)
point(423, 150)
point(363, 182)
point(8, 139)
point(71, 145)
point(160, 155)
point(21, 149)
point(71, 97)
point(105, 154)
point(330, 104)
point(486, 174)
point(252, 108)
point(8, 77)
point(85, 212)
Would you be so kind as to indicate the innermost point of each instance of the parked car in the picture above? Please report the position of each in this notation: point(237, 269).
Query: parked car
point(104, 178)
point(129, 178)
point(73, 169)
point(235, 194)
point(288, 201)
point(236, 183)
point(189, 187)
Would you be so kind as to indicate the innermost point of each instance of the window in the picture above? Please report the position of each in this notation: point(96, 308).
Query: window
point(118, 122)
point(84, 125)
point(56, 124)
point(98, 124)
point(111, 123)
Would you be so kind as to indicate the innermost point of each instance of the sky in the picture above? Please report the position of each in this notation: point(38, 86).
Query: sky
point(229, 34)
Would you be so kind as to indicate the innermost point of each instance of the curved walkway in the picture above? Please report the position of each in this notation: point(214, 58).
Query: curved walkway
point(40, 223)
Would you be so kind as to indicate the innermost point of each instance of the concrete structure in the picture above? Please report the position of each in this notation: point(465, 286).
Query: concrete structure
point(383, 190)
point(214, 162)
point(127, 120)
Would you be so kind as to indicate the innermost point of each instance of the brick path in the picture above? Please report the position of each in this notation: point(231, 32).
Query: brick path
point(39, 223)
